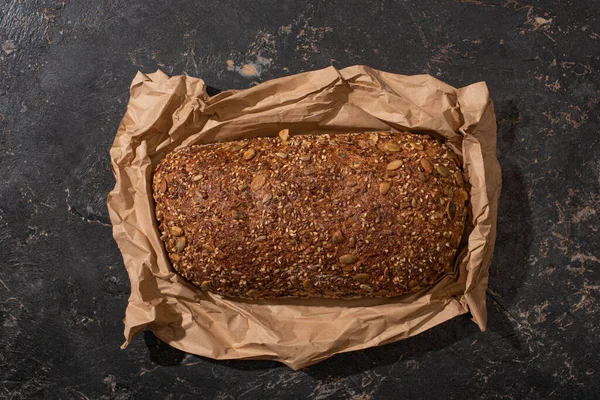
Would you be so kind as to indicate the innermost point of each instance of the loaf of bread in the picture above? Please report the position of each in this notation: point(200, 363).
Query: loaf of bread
point(373, 214)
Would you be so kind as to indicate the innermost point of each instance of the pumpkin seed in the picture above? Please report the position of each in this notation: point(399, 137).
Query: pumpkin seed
point(176, 231)
point(239, 146)
point(451, 155)
point(458, 177)
point(352, 242)
point(391, 147)
point(258, 182)
point(162, 185)
point(443, 171)
point(415, 145)
point(451, 210)
point(427, 165)
point(249, 154)
point(307, 283)
point(363, 278)
point(394, 165)
point(251, 292)
point(384, 187)
point(348, 259)
point(175, 257)
point(422, 176)
point(337, 237)
point(284, 135)
point(181, 243)
point(205, 286)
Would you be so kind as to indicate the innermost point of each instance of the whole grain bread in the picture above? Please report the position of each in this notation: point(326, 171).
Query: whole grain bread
point(372, 214)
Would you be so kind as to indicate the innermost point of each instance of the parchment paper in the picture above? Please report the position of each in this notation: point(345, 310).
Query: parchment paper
point(165, 113)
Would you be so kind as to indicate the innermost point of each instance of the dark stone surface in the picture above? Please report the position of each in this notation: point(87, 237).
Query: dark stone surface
point(65, 67)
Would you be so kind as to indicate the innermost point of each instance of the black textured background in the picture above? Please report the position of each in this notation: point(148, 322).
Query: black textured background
point(65, 68)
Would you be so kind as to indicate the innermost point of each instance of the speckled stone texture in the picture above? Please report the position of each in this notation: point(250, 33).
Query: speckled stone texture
point(65, 67)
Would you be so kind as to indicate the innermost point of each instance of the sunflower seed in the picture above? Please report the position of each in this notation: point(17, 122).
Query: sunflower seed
point(238, 215)
point(394, 165)
point(306, 157)
point(197, 178)
point(175, 257)
point(352, 242)
point(307, 283)
point(366, 288)
point(281, 155)
point(384, 187)
point(208, 247)
point(348, 259)
point(162, 186)
point(309, 171)
point(176, 231)
point(258, 182)
point(205, 286)
point(267, 198)
point(249, 154)
point(261, 238)
point(363, 278)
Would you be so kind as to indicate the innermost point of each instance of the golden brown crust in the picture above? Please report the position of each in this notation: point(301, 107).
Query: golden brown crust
point(347, 215)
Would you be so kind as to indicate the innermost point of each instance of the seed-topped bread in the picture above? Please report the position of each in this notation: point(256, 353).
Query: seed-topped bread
point(373, 214)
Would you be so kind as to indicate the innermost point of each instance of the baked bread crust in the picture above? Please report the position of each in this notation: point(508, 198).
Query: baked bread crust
point(372, 214)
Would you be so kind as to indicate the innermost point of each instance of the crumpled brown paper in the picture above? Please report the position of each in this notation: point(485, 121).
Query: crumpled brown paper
point(165, 113)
